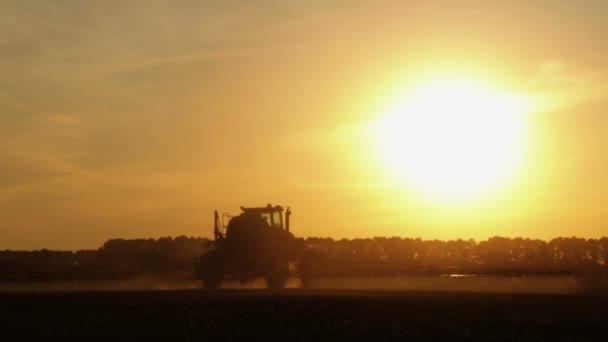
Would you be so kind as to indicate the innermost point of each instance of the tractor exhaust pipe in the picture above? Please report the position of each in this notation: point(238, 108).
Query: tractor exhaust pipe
point(287, 216)
point(217, 229)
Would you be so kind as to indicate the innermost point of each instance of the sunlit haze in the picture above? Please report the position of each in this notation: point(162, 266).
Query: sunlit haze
point(431, 119)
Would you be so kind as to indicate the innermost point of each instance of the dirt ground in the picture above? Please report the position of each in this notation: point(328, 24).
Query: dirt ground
point(192, 315)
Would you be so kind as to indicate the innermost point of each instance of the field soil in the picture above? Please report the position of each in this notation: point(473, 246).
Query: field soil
point(193, 315)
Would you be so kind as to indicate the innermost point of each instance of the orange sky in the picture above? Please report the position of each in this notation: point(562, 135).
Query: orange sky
point(139, 118)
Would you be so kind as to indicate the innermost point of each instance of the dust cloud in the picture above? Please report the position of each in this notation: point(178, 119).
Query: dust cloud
point(554, 285)
point(142, 284)
point(541, 285)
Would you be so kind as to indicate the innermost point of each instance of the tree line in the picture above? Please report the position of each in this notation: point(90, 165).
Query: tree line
point(496, 255)
point(117, 259)
point(174, 258)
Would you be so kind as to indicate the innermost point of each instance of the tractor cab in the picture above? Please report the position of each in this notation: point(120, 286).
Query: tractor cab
point(272, 214)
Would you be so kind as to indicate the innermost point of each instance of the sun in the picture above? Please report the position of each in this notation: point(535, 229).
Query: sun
point(453, 139)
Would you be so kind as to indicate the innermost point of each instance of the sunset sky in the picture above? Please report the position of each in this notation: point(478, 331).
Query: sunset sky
point(125, 119)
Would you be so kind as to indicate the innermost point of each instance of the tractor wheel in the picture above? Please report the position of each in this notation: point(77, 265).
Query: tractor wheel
point(212, 269)
point(276, 281)
point(277, 275)
point(305, 281)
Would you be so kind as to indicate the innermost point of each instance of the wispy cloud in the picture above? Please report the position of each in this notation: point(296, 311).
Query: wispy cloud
point(558, 84)
point(17, 169)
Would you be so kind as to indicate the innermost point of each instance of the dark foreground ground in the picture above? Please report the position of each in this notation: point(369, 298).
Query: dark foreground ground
point(192, 315)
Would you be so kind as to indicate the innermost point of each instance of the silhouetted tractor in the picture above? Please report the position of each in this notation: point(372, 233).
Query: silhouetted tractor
point(257, 243)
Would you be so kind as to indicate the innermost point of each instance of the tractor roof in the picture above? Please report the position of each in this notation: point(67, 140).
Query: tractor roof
point(267, 209)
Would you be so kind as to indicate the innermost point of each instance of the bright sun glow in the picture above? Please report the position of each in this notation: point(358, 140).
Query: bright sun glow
point(453, 140)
